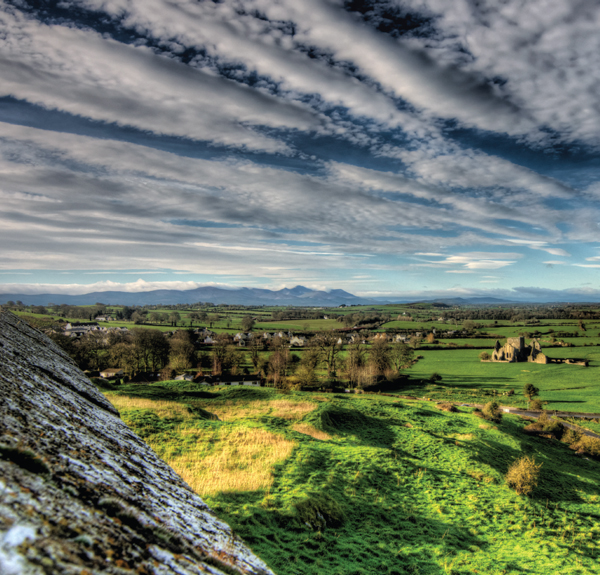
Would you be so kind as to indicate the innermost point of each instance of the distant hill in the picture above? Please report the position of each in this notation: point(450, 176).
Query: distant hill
point(297, 296)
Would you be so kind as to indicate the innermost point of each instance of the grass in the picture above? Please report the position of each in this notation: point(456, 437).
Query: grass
point(234, 459)
point(347, 485)
point(465, 378)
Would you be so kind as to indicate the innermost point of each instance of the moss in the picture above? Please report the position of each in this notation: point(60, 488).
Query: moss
point(24, 458)
point(319, 511)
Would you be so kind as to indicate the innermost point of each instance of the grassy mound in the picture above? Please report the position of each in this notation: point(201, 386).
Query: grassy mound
point(371, 486)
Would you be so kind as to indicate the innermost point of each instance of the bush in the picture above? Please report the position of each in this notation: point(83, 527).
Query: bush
point(491, 411)
point(510, 392)
point(587, 445)
point(536, 405)
point(523, 475)
point(530, 390)
point(485, 356)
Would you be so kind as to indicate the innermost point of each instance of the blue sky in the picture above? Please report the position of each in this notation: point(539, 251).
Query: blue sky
point(396, 147)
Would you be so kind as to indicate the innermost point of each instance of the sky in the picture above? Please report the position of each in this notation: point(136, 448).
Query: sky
point(393, 147)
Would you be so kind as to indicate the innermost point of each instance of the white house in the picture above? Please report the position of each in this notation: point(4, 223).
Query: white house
point(111, 372)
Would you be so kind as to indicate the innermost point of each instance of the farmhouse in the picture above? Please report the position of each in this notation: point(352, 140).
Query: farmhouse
point(111, 372)
point(299, 341)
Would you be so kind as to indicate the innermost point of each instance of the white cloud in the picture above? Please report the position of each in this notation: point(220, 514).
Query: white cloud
point(83, 73)
point(77, 289)
point(543, 53)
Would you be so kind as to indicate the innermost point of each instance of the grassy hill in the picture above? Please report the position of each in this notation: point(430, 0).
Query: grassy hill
point(363, 484)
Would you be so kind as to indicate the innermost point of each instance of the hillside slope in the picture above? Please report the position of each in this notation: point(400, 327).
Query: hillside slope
point(348, 485)
point(79, 492)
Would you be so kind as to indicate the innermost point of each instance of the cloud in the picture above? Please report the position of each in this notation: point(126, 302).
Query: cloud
point(105, 80)
point(542, 56)
point(442, 91)
point(140, 285)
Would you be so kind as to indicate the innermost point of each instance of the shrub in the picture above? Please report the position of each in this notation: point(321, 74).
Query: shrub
point(536, 405)
point(523, 475)
point(446, 407)
point(435, 377)
point(530, 390)
point(571, 436)
point(510, 392)
point(484, 356)
point(491, 411)
point(587, 445)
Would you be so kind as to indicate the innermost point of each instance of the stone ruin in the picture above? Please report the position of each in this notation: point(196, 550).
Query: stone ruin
point(515, 350)
point(80, 493)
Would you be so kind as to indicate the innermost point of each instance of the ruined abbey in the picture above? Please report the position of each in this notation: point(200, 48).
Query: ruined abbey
point(515, 350)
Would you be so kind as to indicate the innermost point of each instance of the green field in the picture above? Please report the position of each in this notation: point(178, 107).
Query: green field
point(319, 484)
point(465, 378)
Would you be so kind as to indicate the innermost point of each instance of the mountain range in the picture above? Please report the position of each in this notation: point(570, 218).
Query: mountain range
point(297, 296)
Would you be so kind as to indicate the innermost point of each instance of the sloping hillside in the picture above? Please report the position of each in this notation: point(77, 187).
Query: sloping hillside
point(323, 484)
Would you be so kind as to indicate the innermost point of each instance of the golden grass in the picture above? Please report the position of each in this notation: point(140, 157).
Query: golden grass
point(161, 408)
point(237, 459)
point(308, 429)
point(235, 410)
point(291, 409)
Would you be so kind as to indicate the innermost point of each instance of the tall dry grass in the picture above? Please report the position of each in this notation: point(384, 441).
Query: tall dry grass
point(239, 459)
point(236, 410)
point(308, 429)
point(161, 408)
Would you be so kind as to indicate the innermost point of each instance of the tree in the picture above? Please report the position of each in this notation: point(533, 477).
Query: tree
point(491, 411)
point(469, 325)
point(247, 323)
point(278, 363)
point(219, 352)
point(306, 376)
point(138, 317)
point(530, 391)
point(255, 347)
point(181, 352)
point(355, 362)
point(174, 318)
point(380, 357)
point(330, 349)
point(401, 356)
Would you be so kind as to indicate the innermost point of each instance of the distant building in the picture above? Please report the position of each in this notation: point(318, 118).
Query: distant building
point(515, 350)
point(111, 372)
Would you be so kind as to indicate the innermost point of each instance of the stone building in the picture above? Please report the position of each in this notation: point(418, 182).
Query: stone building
point(515, 350)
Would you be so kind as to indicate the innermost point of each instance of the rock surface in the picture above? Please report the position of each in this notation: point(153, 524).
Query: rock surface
point(80, 493)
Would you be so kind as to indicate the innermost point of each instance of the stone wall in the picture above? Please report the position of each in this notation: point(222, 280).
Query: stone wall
point(79, 492)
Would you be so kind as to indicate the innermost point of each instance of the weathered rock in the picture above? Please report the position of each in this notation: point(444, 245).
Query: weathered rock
point(80, 493)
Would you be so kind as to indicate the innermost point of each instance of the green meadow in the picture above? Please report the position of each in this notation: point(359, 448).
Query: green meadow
point(323, 484)
point(466, 378)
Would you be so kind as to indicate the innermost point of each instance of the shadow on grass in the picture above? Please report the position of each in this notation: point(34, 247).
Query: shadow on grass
point(563, 477)
point(370, 431)
point(300, 535)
